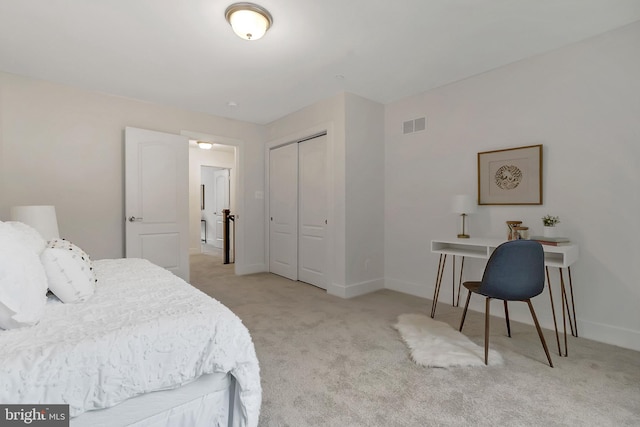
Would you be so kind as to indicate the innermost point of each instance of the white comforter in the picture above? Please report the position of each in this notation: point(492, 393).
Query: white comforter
point(143, 330)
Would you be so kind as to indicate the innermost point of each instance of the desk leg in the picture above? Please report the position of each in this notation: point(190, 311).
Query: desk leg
point(460, 283)
point(571, 311)
point(563, 300)
point(453, 282)
point(566, 303)
point(573, 306)
point(436, 292)
point(553, 310)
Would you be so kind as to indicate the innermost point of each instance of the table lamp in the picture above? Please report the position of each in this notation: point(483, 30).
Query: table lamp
point(42, 218)
point(463, 204)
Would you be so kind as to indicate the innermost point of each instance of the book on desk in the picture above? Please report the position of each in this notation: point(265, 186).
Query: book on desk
point(552, 241)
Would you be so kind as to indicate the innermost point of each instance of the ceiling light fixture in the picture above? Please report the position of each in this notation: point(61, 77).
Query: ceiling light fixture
point(249, 21)
point(205, 145)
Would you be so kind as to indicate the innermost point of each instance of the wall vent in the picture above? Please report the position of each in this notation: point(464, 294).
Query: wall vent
point(415, 125)
point(407, 127)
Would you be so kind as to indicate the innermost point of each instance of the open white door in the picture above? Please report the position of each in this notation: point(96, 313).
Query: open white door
point(157, 199)
point(221, 179)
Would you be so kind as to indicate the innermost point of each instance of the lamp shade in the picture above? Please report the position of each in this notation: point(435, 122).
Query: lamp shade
point(463, 204)
point(42, 218)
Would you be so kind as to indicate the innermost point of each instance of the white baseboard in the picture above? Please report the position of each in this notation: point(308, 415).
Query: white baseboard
point(608, 334)
point(614, 335)
point(355, 289)
point(242, 270)
point(423, 290)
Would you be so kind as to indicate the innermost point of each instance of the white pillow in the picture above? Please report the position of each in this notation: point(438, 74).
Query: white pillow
point(69, 271)
point(29, 236)
point(23, 284)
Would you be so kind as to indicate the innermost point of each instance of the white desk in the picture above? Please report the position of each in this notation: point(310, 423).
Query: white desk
point(554, 256)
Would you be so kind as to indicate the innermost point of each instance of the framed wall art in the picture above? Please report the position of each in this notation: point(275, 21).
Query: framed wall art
point(512, 176)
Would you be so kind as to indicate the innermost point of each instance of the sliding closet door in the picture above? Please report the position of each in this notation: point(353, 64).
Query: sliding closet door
point(312, 211)
point(283, 211)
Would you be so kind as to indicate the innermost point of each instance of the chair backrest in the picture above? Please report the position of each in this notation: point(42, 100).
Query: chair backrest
point(515, 271)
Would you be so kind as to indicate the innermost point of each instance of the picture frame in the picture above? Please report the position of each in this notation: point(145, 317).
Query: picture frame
point(201, 197)
point(511, 176)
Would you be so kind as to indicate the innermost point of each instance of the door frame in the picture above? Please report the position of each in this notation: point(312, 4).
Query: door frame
point(237, 177)
point(331, 202)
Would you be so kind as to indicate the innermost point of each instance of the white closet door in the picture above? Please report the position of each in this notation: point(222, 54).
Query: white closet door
point(283, 211)
point(312, 211)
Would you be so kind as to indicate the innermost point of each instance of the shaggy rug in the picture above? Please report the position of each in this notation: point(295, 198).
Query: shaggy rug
point(436, 344)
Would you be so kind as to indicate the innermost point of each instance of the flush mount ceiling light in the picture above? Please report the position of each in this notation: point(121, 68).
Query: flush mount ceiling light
point(249, 21)
point(205, 145)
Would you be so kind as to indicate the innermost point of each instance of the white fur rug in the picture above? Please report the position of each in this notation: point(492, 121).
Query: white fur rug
point(436, 344)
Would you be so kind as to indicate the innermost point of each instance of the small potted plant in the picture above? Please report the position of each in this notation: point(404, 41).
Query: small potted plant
point(549, 223)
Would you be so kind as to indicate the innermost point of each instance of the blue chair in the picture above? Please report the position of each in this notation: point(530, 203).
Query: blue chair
point(514, 272)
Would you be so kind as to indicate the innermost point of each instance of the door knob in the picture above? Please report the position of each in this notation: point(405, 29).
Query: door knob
point(134, 219)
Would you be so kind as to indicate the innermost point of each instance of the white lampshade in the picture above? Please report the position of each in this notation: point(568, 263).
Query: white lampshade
point(463, 204)
point(205, 145)
point(249, 21)
point(42, 218)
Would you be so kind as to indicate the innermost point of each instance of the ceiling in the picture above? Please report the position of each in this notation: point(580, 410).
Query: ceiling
point(184, 54)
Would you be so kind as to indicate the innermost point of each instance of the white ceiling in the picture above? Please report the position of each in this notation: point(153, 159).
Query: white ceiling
point(183, 53)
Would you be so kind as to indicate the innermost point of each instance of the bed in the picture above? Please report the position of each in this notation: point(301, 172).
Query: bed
point(145, 349)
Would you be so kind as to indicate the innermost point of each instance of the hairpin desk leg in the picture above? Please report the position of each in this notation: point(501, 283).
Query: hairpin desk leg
point(553, 310)
point(460, 283)
point(573, 305)
point(436, 292)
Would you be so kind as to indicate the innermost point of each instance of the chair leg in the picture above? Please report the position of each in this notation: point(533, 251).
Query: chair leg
point(506, 316)
point(486, 331)
point(535, 320)
point(464, 312)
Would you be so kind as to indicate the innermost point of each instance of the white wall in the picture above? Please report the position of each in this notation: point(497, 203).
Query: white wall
point(64, 146)
point(327, 115)
point(582, 102)
point(364, 194)
point(356, 210)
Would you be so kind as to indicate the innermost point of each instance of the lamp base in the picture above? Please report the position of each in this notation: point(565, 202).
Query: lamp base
point(463, 236)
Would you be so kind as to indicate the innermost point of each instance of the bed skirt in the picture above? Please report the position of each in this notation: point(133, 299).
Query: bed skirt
point(208, 401)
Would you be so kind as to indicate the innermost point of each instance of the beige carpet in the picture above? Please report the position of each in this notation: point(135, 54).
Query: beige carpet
point(326, 361)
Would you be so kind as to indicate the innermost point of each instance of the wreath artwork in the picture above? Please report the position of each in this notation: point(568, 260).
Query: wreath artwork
point(508, 177)
point(511, 176)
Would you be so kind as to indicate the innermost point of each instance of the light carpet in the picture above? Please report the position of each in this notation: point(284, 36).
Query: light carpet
point(328, 361)
point(436, 344)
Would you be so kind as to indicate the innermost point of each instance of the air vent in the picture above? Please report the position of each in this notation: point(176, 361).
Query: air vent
point(407, 127)
point(415, 125)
